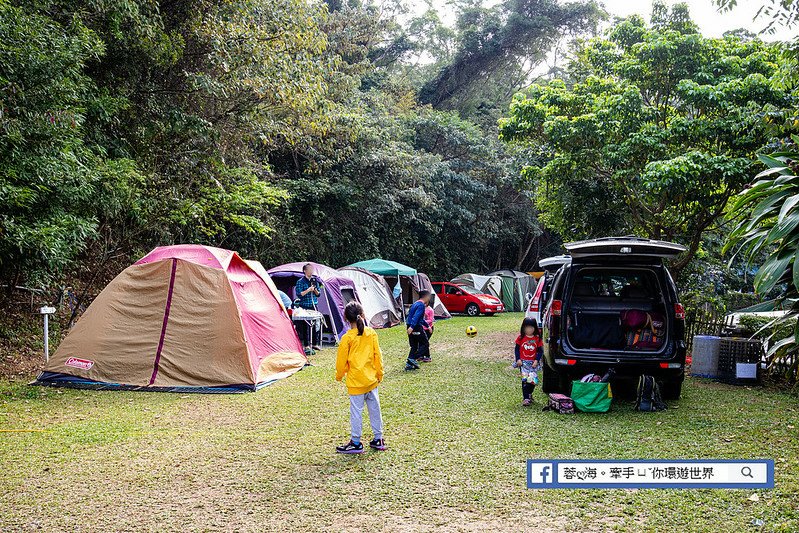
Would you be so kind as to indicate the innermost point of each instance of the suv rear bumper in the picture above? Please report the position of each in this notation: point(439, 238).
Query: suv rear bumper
point(662, 369)
point(670, 364)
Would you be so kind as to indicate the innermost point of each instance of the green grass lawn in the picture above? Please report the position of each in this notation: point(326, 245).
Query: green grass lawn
point(458, 440)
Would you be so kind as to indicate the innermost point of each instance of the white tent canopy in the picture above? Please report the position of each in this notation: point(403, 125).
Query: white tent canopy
point(374, 293)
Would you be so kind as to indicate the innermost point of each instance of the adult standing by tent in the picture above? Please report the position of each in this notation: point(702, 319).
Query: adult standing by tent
point(307, 292)
point(417, 338)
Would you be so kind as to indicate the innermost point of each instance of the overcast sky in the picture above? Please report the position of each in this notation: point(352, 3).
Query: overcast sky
point(704, 13)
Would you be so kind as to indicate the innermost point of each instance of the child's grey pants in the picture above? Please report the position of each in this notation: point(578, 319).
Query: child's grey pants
point(372, 402)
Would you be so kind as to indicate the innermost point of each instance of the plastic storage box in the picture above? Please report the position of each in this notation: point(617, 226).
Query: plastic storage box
point(739, 360)
point(705, 356)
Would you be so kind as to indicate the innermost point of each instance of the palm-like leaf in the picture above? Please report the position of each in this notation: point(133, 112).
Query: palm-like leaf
point(768, 214)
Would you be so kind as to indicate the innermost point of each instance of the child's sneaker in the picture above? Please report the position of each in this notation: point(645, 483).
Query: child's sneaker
point(350, 447)
point(411, 364)
point(527, 402)
point(424, 360)
point(378, 444)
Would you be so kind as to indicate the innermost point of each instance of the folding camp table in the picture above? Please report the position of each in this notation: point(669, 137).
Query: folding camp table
point(310, 317)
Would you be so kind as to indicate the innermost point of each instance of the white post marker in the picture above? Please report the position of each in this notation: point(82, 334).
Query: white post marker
point(46, 312)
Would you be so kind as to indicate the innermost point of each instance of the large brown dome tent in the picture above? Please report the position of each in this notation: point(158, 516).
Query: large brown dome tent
point(182, 318)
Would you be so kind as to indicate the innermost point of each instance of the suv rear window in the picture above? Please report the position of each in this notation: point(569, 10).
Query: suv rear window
point(620, 284)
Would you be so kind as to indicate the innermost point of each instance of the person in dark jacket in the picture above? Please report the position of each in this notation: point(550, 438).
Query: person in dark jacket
point(417, 338)
point(306, 290)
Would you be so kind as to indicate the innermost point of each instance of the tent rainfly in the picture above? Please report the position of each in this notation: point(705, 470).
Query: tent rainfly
point(385, 267)
point(374, 293)
point(516, 286)
point(184, 318)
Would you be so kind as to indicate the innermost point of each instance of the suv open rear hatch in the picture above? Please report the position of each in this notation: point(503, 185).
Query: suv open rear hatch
point(621, 247)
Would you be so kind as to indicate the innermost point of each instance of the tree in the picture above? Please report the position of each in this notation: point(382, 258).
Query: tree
point(780, 12)
point(386, 176)
point(56, 186)
point(143, 123)
point(653, 132)
point(767, 213)
point(498, 46)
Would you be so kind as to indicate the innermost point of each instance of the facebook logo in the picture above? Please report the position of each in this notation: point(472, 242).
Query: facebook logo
point(540, 474)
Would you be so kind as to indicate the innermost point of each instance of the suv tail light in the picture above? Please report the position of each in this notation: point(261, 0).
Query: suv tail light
point(533, 306)
point(557, 307)
point(679, 311)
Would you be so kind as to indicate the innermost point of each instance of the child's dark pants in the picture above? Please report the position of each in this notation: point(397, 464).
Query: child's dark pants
point(527, 390)
point(420, 345)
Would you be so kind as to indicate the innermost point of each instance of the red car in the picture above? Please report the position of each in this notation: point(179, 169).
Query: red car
point(465, 299)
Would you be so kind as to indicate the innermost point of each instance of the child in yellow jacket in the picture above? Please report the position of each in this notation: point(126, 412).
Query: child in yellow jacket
point(359, 357)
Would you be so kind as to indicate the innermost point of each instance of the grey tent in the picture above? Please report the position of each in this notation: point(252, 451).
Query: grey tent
point(374, 293)
point(487, 284)
point(411, 285)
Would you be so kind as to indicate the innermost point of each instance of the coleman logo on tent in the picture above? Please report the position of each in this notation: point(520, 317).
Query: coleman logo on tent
point(83, 364)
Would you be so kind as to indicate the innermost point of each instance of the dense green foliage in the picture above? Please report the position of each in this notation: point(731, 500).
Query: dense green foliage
point(767, 213)
point(287, 129)
point(500, 43)
point(652, 132)
point(56, 185)
point(339, 130)
point(140, 123)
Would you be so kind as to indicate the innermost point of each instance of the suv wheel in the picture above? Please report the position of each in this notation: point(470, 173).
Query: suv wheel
point(671, 389)
point(552, 381)
point(472, 309)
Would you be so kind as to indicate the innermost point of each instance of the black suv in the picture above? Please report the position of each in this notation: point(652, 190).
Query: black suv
point(615, 306)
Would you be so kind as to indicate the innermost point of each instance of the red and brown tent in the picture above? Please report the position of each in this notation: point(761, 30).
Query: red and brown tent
point(183, 317)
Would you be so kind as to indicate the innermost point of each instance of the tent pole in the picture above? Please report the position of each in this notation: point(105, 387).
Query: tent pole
point(402, 296)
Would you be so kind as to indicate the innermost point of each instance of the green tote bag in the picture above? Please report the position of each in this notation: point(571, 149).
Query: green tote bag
point(592, 397)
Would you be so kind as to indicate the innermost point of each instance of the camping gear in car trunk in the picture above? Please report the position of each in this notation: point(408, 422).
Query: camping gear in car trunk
point(705, 356)
point(645, 331)
point(591, 397)
point(598, 331)
point(739, 360)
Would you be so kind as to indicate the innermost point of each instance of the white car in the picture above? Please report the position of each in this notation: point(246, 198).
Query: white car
point(550, 265)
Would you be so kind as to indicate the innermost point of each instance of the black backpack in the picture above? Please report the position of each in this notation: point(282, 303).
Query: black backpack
point(649, 398)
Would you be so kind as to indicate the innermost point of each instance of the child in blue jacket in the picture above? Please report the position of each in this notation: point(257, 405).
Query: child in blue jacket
point(417, 338)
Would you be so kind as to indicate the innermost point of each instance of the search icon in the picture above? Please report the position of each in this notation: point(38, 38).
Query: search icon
point(747, 472)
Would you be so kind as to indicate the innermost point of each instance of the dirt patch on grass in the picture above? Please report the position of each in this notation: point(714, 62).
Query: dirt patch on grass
point(488, 346)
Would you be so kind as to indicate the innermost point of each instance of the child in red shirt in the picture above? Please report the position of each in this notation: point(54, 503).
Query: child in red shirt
point(529, 350)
